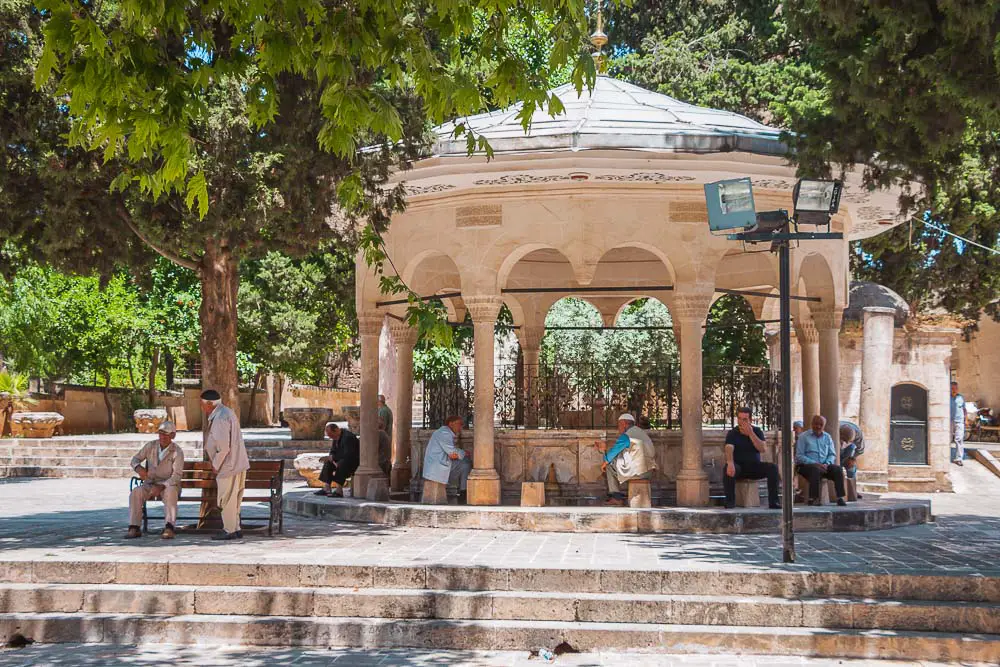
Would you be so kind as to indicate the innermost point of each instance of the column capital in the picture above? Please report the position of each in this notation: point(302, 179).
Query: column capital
point(828, 318)
point(691, 305)
point(403, 334)
point(483, 309)
point(806, 331)
point(370, 323)
point(531, 336)
point(877, 311)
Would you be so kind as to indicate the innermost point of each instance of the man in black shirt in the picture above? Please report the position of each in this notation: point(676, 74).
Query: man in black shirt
point(744, 445)
point(343, 460)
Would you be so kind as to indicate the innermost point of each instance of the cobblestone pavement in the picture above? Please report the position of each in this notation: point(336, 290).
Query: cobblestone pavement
point(89, 655)
point(84, 519)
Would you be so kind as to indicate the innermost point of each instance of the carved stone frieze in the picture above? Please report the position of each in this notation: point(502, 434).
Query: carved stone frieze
point(479, 215)
point(644, 177)
point(413, 190)
point(522, 179)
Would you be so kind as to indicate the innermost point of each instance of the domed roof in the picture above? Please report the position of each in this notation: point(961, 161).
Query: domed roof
point(615, 115)
point(866, 295)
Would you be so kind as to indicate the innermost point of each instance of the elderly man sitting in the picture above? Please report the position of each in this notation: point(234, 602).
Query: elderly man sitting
point(443, 461)
point(161, 478)
point(815, 459)
point(631, 457)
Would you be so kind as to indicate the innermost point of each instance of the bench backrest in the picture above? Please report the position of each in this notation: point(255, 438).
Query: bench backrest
point(261, 475)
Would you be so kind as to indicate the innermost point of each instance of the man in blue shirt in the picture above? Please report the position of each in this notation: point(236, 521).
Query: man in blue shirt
point(816, 459)
point(443, 461)
point(631, 457)
point(958, 423)
point(744, 445)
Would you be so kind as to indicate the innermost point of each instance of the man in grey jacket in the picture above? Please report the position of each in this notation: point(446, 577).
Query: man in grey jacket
point(160, 465)
point(225, 449)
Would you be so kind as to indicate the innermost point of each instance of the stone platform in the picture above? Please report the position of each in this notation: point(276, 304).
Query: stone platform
point(860, 516)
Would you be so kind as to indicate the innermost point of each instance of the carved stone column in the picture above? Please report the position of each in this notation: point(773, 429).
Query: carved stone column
point(876, 388)
point(369, 328)
point(828, 324)
point(689, 310)
point(405, 337)
point(808, 337)
point(484, 482)
point(531, 343)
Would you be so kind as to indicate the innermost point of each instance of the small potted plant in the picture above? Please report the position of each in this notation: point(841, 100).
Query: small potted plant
point(13, 389)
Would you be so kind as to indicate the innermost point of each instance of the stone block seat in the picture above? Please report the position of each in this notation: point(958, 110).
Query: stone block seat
point(826, 490)
point(532, 494)
point(35, 424)
point(639, 493)
point(747, 493)
point(434, 493)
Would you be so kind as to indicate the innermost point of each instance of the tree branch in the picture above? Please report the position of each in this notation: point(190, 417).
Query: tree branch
point(176, 259)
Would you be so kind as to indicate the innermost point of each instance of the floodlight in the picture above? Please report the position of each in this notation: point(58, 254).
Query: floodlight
point(816, 200)
point(730, 204)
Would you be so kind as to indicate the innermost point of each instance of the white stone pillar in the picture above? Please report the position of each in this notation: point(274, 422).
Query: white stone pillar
point(808, 337)
point(405, 337)
point(369, 328)
point(876, 387)
point(531, 344)
point(828, 324)
point(484, 482)
point(689, 310)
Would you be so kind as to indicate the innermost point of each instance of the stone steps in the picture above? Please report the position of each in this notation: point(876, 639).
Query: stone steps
point(762, 611)
point(496, 635)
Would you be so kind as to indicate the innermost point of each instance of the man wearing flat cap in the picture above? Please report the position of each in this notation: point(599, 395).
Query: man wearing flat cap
point(160, 465)
point(225, 449)
point(631, 457)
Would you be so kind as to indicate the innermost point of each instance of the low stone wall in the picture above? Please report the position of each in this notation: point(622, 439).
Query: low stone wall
point(528, 455)
point(307, 396)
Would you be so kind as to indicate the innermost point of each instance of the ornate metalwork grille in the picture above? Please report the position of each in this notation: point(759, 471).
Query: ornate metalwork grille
point(584, 396)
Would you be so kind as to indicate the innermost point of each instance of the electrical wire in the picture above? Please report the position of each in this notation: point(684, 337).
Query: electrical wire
point(995, 251)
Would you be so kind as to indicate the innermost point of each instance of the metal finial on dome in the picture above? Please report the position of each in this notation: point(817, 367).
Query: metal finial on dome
point(599, 39)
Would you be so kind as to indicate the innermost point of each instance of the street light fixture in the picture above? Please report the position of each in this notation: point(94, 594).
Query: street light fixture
point(731, 208)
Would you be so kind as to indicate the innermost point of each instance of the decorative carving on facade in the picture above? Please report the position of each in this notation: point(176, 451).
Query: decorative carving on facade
point(479, 215)
point(403, 334)
point(370, 324)
point(875, 213)
point(644, 177)
point(828, 318)
point(694, 210)
point(806, 331)
point(413, 190)
point(521, 179)
point(773, 183)
point(690, 307)
point(483, 309)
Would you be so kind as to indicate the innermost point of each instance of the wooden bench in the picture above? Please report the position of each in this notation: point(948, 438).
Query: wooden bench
point(263, 485)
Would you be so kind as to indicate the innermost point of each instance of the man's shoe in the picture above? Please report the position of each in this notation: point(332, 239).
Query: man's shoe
point(774, 506)
point(168, 532)
point(336, 493)
point(224, 536)
point(322, 492)
point(814, 502)
point(958, 462)
point(133, 532)
point(841, 502)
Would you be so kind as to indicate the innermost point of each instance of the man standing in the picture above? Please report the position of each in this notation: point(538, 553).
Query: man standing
point(385, 415)
point(744, 445)
point(443, 461)
point(815, 459)
point(958, 423)
point(160, 466)
point(225, 449)
point(631, 457)
point(344, 459)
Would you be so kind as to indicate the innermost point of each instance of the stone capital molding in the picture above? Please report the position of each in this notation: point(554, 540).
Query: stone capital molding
point(370, 323)
point(828, 318)
point(531, 337)
point(483, 309)
point(878, 310)
point(690, 307)
point(806, 331)
point(403, 334)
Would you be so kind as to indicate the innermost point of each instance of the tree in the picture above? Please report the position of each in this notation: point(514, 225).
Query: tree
point(911, 92)
point(731, 338)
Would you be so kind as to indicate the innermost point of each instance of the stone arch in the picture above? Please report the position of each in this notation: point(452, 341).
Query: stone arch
point(816, 279)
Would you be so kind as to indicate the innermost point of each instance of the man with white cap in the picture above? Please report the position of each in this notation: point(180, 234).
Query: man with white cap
point(631, 457)
point(160, 465)
point(225, 449)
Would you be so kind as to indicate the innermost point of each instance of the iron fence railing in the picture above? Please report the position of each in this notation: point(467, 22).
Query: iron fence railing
point(593, 395)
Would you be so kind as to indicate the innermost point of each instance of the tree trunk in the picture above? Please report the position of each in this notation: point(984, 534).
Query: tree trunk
point(279, 389)
point(168, 368)
point(107, 403)
point(253, 395)
point(154, 363)
point(219, 273)
point(128, 360)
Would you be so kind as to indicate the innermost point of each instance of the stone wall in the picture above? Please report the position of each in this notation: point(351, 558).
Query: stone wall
point(921, 357)
point(977, 365)
point(528, 455)
point(306, 396)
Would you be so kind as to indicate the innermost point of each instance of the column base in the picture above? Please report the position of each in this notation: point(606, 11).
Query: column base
point(484, 488)
point(359, 483)
point(692, 489)
point(400, 478)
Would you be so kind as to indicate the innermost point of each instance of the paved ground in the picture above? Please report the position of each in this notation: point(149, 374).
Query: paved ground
point(249, 435)
point(76, 655)
point(85, 519)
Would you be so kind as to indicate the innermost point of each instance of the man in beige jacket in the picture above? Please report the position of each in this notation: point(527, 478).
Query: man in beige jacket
point(160, 465)
point(225, 449)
